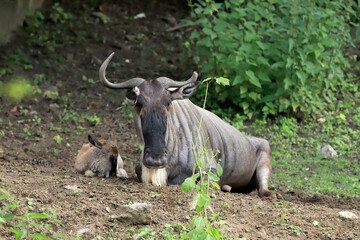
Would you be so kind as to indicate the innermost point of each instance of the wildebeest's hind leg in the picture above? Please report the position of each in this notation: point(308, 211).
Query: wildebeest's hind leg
point(263, 169)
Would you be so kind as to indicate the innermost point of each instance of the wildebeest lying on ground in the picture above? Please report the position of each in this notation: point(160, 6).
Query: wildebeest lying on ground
point(167, 123)
point(100, 158)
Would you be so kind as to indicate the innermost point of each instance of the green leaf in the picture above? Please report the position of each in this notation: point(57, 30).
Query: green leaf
point(194, 34)
point(291, 44)
point(19, 225)
point(210, 33)
point(37, 215)
point(243, 89)
point(35, 224)
point(238, 79)
point(198, 222)
point(264, 77)
point(263, 61)
point(17, 232)
point(249, 25)
point(41, 236)
point(357, 33)
point(202, 200)
point(302, 76)
point(253, 79)
point(287, 83)
point(215, 185)
point(60, 236)
point(219, 170)
point(277, 65)
point(222, 81)
point(188, 184)
point(254, 96)
point(207, 79)
point(2, 220)
point(250, 36)
point(213, 176)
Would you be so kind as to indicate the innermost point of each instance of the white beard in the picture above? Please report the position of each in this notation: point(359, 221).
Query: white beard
point(157, 177)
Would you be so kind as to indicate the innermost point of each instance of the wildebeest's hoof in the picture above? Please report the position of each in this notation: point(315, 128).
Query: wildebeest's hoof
point(226, 188)
point(89, 173)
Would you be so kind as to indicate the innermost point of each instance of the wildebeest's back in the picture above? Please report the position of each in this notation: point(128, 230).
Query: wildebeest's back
point(236, 153)
point(81, 163)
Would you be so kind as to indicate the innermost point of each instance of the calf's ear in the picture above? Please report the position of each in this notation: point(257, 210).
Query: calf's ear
point(183, 92)
point(94, 142)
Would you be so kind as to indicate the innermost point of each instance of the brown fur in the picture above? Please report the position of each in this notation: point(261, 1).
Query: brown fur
point(93, 161)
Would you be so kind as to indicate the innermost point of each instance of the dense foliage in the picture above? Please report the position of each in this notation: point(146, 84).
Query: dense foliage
point(280, 55)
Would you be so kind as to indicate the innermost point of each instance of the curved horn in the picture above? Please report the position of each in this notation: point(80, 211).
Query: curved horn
point(168, 82)
point(131, 83)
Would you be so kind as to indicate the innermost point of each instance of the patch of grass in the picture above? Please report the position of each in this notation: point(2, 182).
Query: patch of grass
point(29, 224)
point(297, 164)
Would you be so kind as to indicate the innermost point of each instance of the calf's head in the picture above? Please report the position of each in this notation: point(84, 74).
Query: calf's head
point(152, 100)
point(107, 150)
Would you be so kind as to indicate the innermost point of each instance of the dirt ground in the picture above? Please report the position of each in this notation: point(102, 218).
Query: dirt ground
point(143, 48)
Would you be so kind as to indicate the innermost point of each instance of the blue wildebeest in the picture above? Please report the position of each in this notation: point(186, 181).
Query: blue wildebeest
point(167, 123)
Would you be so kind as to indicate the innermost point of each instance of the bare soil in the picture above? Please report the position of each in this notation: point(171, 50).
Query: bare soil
point(143, 48)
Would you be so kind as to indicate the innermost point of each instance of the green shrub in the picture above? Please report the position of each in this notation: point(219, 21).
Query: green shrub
point(280, 55)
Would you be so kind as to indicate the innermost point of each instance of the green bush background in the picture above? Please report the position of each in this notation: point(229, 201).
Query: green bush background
point(280, 55)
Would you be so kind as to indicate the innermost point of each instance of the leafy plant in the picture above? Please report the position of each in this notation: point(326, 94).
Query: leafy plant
point(10, 205)
point(204, 181)
point(146, 233)
point(27, 225)
point(58, 14)
point(58, 139)
point(280, 56)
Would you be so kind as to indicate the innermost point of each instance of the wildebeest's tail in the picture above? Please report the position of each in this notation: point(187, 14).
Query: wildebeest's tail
point(40, 162)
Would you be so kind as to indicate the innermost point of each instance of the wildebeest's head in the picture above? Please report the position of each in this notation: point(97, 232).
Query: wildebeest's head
point(152, 100)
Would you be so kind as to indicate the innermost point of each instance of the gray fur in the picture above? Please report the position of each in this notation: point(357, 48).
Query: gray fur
point(240, 155)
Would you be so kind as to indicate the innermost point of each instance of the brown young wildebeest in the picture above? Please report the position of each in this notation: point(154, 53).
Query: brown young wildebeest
point(100, 158)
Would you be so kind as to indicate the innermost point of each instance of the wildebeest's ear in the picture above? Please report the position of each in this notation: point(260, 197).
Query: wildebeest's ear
point(183, 92)
point(94, 142)
point(133, 94)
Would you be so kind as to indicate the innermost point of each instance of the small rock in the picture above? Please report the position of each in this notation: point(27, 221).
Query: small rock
point(170, 18)
point(346, 215)
point(140, 15)
point(104, 18)
point(84, 230)
point(107, 209)
point(137, 213)
point(315, 223)
point(33, 112)
point(328, 151)
point(73, 187)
